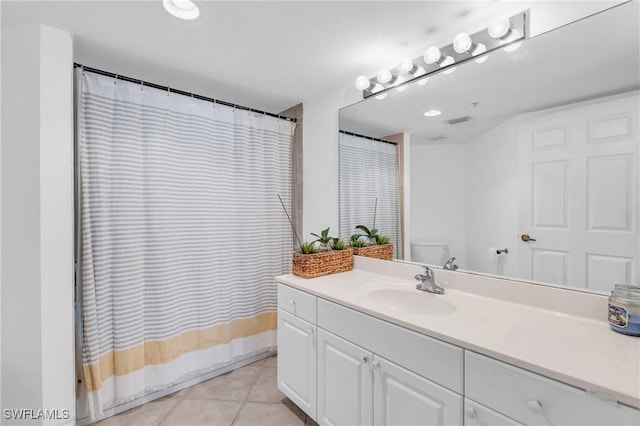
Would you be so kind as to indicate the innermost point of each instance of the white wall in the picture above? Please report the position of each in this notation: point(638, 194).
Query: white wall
point(37, 221)
point(438, 197)
point(320, 161)
point(492, 200)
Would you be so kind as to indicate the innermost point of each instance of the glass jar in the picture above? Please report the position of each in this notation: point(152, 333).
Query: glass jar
point(624, 309)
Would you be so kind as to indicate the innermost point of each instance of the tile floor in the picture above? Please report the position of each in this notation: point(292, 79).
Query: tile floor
point(247, 396)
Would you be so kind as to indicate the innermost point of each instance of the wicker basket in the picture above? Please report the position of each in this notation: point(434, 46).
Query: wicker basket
point(317, 264)
point(384, 251)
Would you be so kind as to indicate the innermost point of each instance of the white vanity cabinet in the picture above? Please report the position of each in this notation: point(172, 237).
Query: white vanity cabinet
point(344, 367)
point(532, 399)
point(297, 341)
point(363, 361)
point(357, 387)
point(345, 382)
point(401, 397)
point(479, 415)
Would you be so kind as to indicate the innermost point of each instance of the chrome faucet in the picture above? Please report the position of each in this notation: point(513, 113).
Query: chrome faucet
point(428, 282)
point(450, 266)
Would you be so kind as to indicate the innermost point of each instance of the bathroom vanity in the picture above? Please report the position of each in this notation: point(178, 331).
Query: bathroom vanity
point(365, 347)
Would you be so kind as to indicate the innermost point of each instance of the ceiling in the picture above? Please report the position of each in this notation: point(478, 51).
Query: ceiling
point(264, 54)
point(574, 63)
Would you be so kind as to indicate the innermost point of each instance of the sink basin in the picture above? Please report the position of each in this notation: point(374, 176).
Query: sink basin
point(411, 301)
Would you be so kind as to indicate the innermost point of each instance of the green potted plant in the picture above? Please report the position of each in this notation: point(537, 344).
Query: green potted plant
point(371, 244)
point(323, 256)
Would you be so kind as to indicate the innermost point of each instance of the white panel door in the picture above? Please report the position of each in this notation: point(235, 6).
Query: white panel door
point(404, 398)
point(344, 382)
point(297, 361)
point(580, 194)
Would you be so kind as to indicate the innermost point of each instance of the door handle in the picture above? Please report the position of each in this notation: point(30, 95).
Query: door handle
point(527, 238)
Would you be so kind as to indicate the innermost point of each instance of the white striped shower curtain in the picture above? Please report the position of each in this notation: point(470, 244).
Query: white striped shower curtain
point(369, 170)
point(182, 235)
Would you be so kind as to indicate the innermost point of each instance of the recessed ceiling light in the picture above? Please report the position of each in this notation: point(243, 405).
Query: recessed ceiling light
point(183, 9)
point(432, 113)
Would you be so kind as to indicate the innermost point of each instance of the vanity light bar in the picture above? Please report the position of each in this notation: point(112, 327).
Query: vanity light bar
point(502, 32)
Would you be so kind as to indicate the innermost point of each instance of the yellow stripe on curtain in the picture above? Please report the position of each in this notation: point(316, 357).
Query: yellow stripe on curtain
point(126, 361)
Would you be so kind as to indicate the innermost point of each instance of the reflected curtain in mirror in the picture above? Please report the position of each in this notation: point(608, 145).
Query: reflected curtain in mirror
point(369, 170)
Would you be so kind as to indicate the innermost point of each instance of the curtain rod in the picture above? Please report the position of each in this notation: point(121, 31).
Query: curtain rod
point(180, 92)
point(366, 137)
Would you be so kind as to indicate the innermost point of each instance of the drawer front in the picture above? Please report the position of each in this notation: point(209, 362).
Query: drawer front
point(533, 399)
point(430, 358)
point(479, 415)
point(297, 303)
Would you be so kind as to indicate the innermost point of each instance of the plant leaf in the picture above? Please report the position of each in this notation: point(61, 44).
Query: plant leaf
point(364, 229)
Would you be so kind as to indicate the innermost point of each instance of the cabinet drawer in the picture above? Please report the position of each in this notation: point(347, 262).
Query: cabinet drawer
point(297, 303)
point(479, 415)
point(533, 399)
point(430, 358)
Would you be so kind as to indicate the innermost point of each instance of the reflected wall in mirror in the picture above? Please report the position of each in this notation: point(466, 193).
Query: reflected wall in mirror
point(536, 151)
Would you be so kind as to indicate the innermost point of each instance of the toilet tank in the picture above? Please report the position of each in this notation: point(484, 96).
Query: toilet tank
point(430, 252)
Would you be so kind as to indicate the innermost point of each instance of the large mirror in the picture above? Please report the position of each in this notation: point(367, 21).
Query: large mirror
point(531, 170)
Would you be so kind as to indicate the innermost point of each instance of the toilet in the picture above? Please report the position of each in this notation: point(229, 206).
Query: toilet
point(430, 252)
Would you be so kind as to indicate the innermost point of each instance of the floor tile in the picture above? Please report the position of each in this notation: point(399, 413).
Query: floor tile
point(198, 412)
point(272, 361)
point(266, 414)
point(150, 413)
point(233, 386)
point(265, 388)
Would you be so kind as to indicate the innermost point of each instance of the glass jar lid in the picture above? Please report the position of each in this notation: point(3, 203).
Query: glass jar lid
point(627, 291)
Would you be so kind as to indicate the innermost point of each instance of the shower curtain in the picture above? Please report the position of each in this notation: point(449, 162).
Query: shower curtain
point(368, 171)
point(182, 235)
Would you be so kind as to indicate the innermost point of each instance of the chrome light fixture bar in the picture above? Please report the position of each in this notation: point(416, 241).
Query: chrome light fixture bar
point(504, 32)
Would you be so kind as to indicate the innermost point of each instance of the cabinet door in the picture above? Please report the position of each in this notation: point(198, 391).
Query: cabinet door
point(404, 398)
point(344, 382)
point(479, 415)
point(297, 361)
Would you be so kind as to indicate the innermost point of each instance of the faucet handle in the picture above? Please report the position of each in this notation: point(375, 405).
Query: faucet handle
point(449, 265)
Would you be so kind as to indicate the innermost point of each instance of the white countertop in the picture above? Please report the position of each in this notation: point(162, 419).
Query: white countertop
point(578, 350)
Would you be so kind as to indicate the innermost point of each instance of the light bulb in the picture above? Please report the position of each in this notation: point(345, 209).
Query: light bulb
point(499, 28)
point(432, 55)
point(432, 113)
point(183, 9)
point(376, 88)
point(447, 61)
point(515, 34)
point(423, 81)
point(402, 87)
point(381, 96)
point(362, 82)
point(462, 43)
point(479, 51)
point(384, 76)
point(406, 66)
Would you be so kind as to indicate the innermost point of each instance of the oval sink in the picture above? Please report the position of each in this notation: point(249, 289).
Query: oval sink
point(411, 301)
